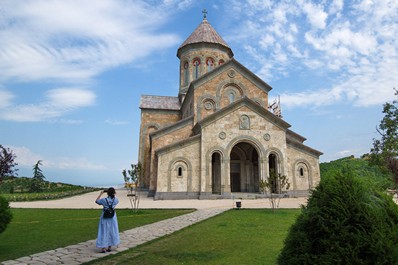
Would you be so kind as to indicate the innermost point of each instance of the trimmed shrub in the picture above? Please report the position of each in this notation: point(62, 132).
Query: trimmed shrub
point(5, 214)
point(347, 220)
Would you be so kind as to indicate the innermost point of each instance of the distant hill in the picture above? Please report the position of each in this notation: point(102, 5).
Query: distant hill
point(356, 166)
point(17, 189)
point(22, 184)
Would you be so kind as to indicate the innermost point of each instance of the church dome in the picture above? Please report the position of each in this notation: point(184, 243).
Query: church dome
point(202, 52)
point(204, 34)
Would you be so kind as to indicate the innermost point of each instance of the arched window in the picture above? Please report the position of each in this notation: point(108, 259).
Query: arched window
point(231, 96)
point(210, 64)
point(179, 171)
point(301, 172)
point(220, 62)
point(186, 74)
point(196, 65)
point(273, 171)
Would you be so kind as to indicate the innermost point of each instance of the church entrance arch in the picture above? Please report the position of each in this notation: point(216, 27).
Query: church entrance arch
point(216, 173)
point(244, 168)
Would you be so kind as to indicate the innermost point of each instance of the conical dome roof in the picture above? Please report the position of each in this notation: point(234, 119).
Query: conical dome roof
point(204, 33)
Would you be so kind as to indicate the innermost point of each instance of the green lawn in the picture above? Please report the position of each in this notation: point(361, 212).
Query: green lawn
point(37, 230)
point(234, 237)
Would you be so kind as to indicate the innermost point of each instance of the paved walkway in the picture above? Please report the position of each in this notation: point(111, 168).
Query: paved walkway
point(86, 251)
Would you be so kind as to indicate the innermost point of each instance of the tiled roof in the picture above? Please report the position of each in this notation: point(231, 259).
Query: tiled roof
point(159, 102)
point(204, 33)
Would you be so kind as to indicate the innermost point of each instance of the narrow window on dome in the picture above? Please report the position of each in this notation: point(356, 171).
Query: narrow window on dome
point(196, 65)
point(210, 64)
point(220, 62)
point(180, 171)
point(301, 172)
point(186, 74)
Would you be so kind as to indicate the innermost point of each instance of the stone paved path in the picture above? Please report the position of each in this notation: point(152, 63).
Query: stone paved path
point(86, 251)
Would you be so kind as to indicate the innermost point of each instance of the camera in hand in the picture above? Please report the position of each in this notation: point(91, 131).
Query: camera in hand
point(105, 190)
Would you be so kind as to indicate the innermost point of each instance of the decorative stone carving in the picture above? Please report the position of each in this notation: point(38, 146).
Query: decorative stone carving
point(244, 122)
point(267, 137)
point(222, 135)
point(208, 105)
point(231, 73)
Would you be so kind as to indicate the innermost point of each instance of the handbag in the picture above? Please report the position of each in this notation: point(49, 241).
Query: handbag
point(110, 211)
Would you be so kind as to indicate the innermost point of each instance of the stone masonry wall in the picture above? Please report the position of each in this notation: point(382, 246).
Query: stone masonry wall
point(310, 176)
point(162, 141)
point(152, 120)
point(225, 133)
point(186, 157)
point(218, 89)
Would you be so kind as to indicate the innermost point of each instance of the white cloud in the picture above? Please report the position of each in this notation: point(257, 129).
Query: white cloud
point(76, 40)
point(74, 163)
point(116, 122)
point(345, 153)
point(24, 156)
point(5, 98)
point(315, 15)
point(336, 6)
point(353, 46)
point(180, 4)
point(27, 158)
point(311, 98)
point(70, 98)
point(72, 42)
point(58, 102)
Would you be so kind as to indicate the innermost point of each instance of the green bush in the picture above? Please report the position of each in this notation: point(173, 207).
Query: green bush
point(348, 220)
point(5, 214)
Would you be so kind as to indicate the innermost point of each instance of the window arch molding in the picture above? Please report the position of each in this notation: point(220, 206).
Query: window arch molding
point(210, 152)
point(301, 163)
point(202, 100)
point(196, 64)
point(256, 144)
point(210, 64)
point(173, 170)
point(248, 139)
point(185, 72)
point(230, 85)
point(279, 159)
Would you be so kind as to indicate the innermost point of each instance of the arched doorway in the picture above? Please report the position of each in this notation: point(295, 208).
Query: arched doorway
point(244, 168)
point(216, 173)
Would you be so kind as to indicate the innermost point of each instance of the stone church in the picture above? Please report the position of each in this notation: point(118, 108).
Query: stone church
point(218, 136)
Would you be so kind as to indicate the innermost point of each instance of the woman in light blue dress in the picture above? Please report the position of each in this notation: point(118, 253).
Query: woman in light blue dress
point(108, 228)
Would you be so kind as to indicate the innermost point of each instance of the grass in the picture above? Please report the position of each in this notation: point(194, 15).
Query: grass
point(37, 230)
point(234, 237)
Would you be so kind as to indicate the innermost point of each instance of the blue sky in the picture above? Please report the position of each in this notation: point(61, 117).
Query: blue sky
point(72, 73)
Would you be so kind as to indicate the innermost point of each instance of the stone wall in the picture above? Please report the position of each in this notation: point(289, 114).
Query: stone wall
point(178, 169)
point(152, 120)
point(223, 89)
point(303, 170)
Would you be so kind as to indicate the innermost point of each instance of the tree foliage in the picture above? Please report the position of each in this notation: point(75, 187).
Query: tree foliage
point(38, 178)
point(7, 163)
point(385, 150)
point(355, 166)
point(132, 182)
point(347, 220)
point(276, 183)
point(5, 214)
